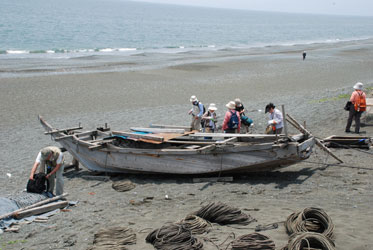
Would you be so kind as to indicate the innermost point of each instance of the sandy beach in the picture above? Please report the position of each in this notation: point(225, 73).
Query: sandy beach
point(314, 90)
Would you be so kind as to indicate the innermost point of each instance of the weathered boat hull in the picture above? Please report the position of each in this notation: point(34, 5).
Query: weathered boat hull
point(241, 157)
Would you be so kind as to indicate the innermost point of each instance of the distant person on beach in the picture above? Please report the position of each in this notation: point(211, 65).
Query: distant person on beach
point(358, 101)
point(232, 120)
point(245, 121)
point(197, 111)
point(275, 122)
point(304, 55)
point(210, 118)
point(50, 161)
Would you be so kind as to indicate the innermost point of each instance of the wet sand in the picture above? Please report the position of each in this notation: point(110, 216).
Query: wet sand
point(313, 90)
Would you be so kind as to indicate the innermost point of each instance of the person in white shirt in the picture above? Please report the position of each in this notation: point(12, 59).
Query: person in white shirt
point(50, 161)
point(275, 119)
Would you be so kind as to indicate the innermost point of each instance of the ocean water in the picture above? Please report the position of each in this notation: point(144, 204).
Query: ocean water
point(104, 31)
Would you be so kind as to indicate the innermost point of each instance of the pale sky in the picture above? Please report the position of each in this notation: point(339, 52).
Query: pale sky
point(339, 7)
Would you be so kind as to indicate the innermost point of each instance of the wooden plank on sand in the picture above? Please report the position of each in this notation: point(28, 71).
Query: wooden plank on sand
point(213, 179)
point(41, 209)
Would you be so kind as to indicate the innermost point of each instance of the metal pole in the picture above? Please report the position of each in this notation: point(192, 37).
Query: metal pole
point(284, 120)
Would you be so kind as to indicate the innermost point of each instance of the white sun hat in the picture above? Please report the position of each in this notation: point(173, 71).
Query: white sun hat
point(212, 107)
point(358, 86)
point(193, 98)
point(231, 105)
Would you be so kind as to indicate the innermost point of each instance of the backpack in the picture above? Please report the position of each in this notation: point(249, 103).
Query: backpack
point(37, 185)
point(233, 121)
point(360, 104)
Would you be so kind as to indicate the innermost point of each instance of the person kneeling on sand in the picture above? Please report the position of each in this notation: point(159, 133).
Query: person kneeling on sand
point(196, 112)
point(50, 161)
point(275, 119)
point(232, 120)
point(358, 101)
point(210, 119)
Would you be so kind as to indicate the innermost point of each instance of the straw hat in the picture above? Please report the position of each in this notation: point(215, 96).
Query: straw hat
point(193, 98)
point(231, 105)
point(358, 86)
point(212, 107)
point(238, 102)
point(44, 153)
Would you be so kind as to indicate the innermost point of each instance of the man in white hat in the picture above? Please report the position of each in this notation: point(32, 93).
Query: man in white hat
point(358, 101)
point(232, 120)
point(210, 118)
point(50, 161)
point(197, 111)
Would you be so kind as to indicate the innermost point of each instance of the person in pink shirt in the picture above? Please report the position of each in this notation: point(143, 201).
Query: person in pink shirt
point(358, 101)
point(232, 120)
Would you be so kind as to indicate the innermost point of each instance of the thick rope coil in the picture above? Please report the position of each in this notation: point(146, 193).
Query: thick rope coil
point(115, 238)
point(173, 237)
point(223, 214)
point(309, 241)
point(196, 224)
point(253, 241)
point(310, 220)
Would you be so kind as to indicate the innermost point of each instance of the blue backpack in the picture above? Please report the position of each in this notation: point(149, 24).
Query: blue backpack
point(233, 122)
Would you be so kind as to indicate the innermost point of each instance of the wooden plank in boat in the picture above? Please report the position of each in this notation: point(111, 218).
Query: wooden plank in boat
point(140, 136)
point(159, 130)
point(234, 135)
point(170, 126)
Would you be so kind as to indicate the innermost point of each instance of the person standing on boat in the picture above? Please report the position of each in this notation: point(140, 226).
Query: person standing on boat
point(275, 119)
point(50, 161)
point(196, 112)
point(210, 118)
point(232, 120)
point(358, 101)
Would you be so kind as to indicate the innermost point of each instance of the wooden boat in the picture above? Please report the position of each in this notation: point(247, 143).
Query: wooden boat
point(177, 150)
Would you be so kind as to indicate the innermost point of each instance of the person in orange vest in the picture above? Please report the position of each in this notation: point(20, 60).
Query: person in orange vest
point(358, 101)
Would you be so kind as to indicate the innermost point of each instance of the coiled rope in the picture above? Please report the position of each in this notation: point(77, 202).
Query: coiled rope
point(309, 241)
point(253, 241)
point(173, 236)
point(123, 186)
point(115, 238)
point(218, 212)
point(196, 224)
point(310, 220)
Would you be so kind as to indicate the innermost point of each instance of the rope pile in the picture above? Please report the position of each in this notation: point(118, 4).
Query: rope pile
point(223, 214)
point(115, 238)
point(173, 237)
point(309, 241)
point(310, 220)
point(253, 241)
point(123, 186)
point(196, 224)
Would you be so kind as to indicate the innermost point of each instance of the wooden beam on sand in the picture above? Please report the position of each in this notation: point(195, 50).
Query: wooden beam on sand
point(298, 126)
point(41, 209)
point(40, 203)
point(213, 179)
